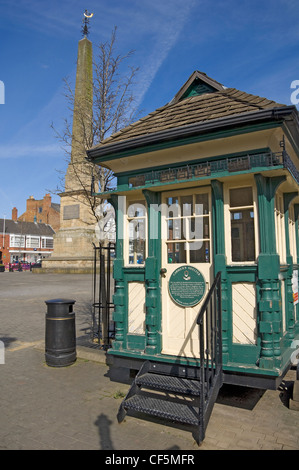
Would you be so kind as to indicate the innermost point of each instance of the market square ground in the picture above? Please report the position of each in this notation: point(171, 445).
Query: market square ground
point(75, 407)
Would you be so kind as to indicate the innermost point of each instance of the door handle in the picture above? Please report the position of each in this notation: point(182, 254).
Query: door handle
point(163, 271)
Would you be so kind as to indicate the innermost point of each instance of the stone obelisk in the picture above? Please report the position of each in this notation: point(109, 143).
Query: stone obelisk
point(73, 249)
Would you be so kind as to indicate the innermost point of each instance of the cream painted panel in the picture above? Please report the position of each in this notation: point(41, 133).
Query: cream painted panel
point(181, 154)
point(179, 328)
point(180, 331)
point(136, 316)
point(244, 313)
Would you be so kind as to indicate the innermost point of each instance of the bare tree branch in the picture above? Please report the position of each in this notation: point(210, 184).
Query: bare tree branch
point(113, 108)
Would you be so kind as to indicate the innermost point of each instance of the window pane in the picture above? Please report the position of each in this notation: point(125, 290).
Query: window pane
point(241, 197)
point(199, 228)
point(202, 204)
point(136, 209)
point(242, 235)
point(137, 241)
point(175, 229)
point(186, 205)
point(176, 253)
point(173, 207)
point(199, 252)
point(136, 251)
point(172, 200)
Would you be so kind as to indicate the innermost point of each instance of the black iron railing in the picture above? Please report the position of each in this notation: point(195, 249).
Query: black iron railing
point(103, 327)
point(289, 165)
point(210, 339)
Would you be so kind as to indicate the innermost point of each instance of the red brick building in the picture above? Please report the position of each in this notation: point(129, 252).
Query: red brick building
point(24, 241)
point(42, 211)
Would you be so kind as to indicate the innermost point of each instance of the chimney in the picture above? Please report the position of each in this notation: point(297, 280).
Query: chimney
point(46, 202)
point(14, 214)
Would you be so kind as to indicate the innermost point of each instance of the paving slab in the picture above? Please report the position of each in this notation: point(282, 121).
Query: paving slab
point(75, 407)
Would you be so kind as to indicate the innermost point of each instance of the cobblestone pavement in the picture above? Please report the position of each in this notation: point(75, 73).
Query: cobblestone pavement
point(75, 407)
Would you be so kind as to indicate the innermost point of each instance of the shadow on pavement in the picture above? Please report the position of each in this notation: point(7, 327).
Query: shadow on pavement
point(7, 340)
point(239, 397)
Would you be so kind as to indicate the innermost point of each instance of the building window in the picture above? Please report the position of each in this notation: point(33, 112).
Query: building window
point(47, 243)
point(32, 242)
point(242, 224)
point(17, 241)
point(188, 229)
point(136, 227)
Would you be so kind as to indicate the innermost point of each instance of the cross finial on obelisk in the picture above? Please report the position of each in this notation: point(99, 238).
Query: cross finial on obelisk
point(85, 21)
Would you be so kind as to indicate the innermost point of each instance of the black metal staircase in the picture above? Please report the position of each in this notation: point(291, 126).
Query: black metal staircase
point(178, 393)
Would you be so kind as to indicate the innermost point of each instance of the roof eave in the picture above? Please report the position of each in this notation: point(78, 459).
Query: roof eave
point(273, 114)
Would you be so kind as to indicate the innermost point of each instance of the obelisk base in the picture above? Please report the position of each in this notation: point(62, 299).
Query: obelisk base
point(73, 252)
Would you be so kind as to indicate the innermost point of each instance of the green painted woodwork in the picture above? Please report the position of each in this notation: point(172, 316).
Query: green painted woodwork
point(271, 353)
point(198, 87)
point(123, 176)
point(230, 367)
point(152, 274)
point(289, 302)
point(135, 342)
point(266, 188)
point(244, 273)
point(220, 262)
point(119, 297)
point(218, 219)
point(269, 305)
point(245, 353)
point(124, 184)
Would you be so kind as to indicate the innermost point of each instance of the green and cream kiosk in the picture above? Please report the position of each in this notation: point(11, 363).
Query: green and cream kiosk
point(207, 184)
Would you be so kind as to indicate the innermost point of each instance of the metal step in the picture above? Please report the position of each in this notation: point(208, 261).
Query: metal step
point(182, 413)
point(169, 383)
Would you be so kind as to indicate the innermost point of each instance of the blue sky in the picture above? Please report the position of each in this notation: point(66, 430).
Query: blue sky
point(247, 44)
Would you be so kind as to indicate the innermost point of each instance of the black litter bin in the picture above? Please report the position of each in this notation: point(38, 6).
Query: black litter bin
point(60, 341)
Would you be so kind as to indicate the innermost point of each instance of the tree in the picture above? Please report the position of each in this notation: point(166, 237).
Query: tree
point(106, 106)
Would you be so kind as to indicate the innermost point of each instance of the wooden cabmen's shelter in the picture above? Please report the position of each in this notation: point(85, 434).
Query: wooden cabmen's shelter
point(207, 184)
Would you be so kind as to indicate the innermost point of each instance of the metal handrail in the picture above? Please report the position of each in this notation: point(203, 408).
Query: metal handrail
point(210, 351)
point(207, 300)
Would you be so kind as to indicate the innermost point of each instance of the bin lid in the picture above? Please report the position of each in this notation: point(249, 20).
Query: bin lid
point(60, 301)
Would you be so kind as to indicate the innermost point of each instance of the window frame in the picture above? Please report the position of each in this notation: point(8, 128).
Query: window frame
point(29, 239)
point(12, 239)
point(227, 221)
point(127, 219)
point(185, 242)
point(45, 240)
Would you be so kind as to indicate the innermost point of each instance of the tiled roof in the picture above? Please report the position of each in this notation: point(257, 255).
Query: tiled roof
point(194, 109)
point(55, 206)
point(26, 228)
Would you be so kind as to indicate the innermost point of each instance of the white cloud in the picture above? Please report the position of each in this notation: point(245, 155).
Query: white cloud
point(167, 21)
point(29, 151)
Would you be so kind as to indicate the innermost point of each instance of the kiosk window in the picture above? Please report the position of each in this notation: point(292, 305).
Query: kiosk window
point(136, 217)
point(188, 229)
point(242, 224)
